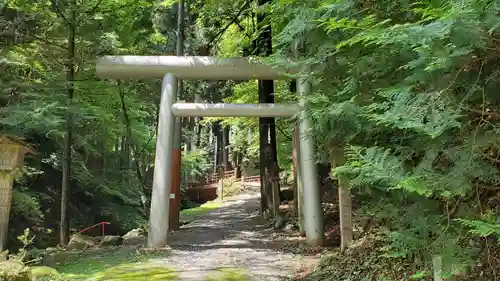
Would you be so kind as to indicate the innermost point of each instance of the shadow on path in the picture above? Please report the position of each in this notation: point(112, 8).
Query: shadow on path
point(233, 236)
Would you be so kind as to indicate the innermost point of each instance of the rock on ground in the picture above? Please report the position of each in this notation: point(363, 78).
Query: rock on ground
point(135, 237)
point(81, 242)
point(111, 240)
point(59, 256)
point(14, 271)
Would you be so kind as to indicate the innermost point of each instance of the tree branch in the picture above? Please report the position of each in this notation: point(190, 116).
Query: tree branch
point(237, 21)
point(91, 12)
point(283, 133)
point(126, 119)
point(228, 25)
point(493, 115)
point(114, 10)
point(147, 143)
point(46, 41)
point(58, 11)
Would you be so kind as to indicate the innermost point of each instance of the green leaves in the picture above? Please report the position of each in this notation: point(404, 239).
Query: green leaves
point(428, 113)
point(490, 225)
point(168, 3)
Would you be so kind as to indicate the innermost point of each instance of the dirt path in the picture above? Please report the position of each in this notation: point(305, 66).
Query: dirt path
point(233, 236)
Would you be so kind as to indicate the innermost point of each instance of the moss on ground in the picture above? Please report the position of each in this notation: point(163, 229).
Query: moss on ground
point(192, 214)
point(41, 273)
point(100, 263)
point(136, 272)
point(228, 274)
point(231, 187)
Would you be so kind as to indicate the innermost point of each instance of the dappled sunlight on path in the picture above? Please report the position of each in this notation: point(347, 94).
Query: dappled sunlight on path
point(233, 236)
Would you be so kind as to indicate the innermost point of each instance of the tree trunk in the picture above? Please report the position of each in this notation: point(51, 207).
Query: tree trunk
point(104, 158)
point(238, 164)
point(66, 169)
point(263, 46)
point(225, 148)
point(187, 139)
point(131, 149)
point(122, 141)
point(197, 127)
point(218, 138)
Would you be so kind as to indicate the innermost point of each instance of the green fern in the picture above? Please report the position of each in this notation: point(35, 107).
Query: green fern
point(489, 225)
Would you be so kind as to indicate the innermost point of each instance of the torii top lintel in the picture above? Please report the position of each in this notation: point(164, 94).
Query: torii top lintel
point(186, 67)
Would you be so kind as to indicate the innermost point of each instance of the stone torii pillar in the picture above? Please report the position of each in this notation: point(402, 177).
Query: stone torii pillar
point(209, 68)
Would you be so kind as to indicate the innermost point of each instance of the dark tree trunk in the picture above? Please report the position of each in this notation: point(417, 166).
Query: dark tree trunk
point(267, 127)
point(66, 169)
point(225, 148)
point(216, 131)
point(239, 164)
point(198, 132)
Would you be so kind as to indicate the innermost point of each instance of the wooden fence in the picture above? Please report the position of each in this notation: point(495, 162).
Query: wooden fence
point(213, 179)
point(206, 189)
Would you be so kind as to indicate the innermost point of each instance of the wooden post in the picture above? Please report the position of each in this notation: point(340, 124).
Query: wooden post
point(11, 156)
point(299, 191)
point(437, 262)
point(220, 187)
point(273, 177)
point(174, 209)
point(345, 204)
point(294, 171)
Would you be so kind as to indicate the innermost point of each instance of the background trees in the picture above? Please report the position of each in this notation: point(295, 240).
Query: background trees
point(406, 88)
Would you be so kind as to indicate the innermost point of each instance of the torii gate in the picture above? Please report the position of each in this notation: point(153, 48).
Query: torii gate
point(170, 68)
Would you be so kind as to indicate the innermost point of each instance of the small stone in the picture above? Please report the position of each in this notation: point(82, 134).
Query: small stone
point(54, 258)
point(111, 240)
point(80, 242)
point(135, 237)
point(288, 227)
point(134, 233)
point(140, 240)
point(280, 221)
point(51, 250)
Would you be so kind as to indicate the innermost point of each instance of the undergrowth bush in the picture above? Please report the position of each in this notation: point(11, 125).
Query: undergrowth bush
point(409, 89)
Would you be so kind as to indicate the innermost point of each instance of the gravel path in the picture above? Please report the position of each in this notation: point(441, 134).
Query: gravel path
point(233, 236)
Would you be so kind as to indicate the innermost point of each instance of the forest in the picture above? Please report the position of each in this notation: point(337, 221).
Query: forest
point(402, 107)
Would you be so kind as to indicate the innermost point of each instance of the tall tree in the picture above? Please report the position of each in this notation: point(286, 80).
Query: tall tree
point(71, 22)
point(267, 125)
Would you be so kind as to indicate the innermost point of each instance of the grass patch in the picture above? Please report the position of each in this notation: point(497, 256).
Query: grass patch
point(100, 263)
point(231, 187)
point(44, 273)
point(192, 214)
point(136, 272)
point(228, 274)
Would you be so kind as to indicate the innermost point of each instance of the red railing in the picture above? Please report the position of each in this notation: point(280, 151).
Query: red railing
point(214, 178)
point(230, 174)
point(251, 181)
point(102, 224)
